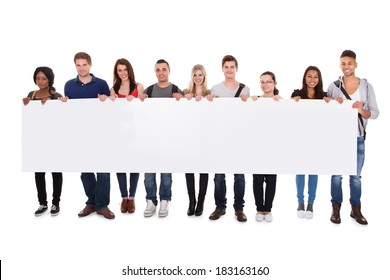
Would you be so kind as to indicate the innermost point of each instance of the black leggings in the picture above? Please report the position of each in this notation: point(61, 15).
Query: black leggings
point(203, 181)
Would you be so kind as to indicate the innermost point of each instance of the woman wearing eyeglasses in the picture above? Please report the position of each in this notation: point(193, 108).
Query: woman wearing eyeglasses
point(265, 197)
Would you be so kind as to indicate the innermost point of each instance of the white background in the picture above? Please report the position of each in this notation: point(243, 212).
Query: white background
point(281, 36)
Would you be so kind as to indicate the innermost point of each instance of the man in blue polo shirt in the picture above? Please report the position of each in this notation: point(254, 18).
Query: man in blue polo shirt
point(86, 85)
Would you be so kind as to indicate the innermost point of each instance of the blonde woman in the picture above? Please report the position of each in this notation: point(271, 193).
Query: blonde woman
point(197, 89)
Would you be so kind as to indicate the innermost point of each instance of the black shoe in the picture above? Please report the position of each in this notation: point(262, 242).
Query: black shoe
point(41, 209)
point(216, 214)
point(55, 210)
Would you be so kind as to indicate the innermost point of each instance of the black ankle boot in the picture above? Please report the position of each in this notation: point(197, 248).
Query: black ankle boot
point(191, 206)
point(199, 206)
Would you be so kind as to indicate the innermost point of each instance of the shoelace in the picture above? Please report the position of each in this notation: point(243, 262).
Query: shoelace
point(53, 208)
point(41, 207)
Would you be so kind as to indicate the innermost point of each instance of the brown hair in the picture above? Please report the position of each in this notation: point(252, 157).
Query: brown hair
point(227, 58)
point(130, 71)
point(83, 55)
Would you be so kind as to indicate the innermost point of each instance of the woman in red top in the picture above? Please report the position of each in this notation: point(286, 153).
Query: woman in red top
point(125, 86)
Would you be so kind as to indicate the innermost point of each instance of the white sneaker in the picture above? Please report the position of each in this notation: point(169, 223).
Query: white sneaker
point(301, 213)
point(309, 215)
point(259, 217)
point(268, 217)
point(163, 212)
point(150, 209)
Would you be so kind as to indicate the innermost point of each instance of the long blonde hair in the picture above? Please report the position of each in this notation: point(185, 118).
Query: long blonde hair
point(191, 86)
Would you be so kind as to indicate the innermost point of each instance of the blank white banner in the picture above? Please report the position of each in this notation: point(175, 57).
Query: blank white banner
point(165, 135)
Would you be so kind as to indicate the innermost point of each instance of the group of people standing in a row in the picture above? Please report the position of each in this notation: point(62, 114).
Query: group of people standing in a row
point(97, 187)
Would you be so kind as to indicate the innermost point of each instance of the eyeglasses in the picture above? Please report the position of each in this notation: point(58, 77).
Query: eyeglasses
point(266, 82)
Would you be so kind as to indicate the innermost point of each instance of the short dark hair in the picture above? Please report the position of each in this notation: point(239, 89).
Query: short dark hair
point(163, 61)
point(348, 53)
point(83, 55)
point(229, 58)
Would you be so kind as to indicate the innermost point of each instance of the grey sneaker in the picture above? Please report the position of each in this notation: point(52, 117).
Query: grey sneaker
point(268, 217)
point(55, 210)
point(150, 209)
point(41, 209)
point(163, 212)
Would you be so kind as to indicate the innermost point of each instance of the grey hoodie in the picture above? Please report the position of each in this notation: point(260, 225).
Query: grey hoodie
point(367, 97)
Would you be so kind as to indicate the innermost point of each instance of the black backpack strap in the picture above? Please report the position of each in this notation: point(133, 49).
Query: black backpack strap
point(149, 90)
point(241, 86)
point(175, 88)
point(337, 83)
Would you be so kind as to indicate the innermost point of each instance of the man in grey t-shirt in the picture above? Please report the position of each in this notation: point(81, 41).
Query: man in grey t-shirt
point(229, 88)
point(162, 89)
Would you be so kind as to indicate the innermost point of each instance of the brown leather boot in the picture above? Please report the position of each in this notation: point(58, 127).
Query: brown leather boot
point(335, 218)
point(357, 215)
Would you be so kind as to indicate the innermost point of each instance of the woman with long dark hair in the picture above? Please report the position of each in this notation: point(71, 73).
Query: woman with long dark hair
point(125, 86)
point(312, 88)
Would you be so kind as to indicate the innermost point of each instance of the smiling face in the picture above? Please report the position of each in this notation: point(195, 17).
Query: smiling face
point(267, 84)
point(311, 79)
point(162, 72)
point(348, 65)
point(122, 72)
point(82, 67)
point(229, 69)
point(42, 81)
point(198, 77)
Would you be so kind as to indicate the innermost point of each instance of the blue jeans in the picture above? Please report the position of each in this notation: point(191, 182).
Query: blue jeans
point(122, 181)
point(97, 189)
point(220, 191)
point(165, 187)
point(354, 180)
point(312, 183)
